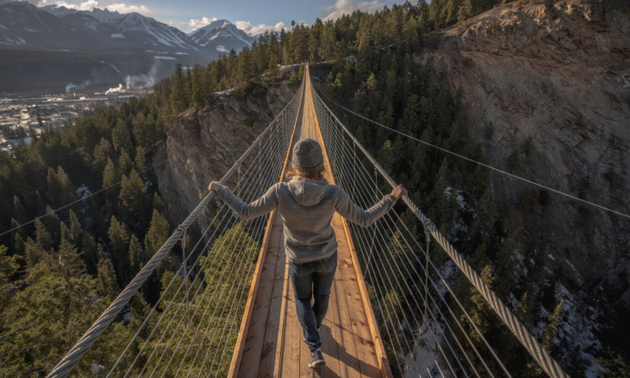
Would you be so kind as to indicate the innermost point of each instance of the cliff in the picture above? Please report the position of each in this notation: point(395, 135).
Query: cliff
point(202, 146)
point(547, 86)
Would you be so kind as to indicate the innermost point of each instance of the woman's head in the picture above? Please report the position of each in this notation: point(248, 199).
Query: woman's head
point(308, 160)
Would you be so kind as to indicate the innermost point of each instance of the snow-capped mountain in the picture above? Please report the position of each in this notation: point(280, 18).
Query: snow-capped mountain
point(24, 24)
point(221, 36)
point(129, 30)
point(53, 27)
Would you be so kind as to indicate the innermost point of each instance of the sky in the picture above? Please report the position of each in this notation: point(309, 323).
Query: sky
point(252, 16)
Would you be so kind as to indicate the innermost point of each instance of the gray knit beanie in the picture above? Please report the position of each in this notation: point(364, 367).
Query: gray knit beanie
point(307, 156)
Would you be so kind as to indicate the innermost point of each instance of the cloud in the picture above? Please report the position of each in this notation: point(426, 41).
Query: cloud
point(196, 24)
point(124, 8)
point(250, 29)
point(342, 7)
point(90, 5)
point(87, 6)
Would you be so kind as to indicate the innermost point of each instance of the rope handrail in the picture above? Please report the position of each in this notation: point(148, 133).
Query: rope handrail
point(81, 347)
point(540, 355)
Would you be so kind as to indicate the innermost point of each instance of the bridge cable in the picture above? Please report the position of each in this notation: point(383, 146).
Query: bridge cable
point(547, 363)
point(477, 162)
point(360, 230)
point(68, 362)
point(231, 219)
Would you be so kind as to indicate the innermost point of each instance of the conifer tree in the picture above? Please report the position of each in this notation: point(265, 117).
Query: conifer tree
point(124, 162)
point(76, 231)
point(198, 88)
point(551, 330)
point(119, 247)
point(140, 161)
point(42, 236)
point(121, 137)
point(8, 266)
point(134, 200)
point(90, 253)
point(19, 212)
point(157, 234)
point(102, 152)
point(136, 254)
point(178, 99)
point(107, 285)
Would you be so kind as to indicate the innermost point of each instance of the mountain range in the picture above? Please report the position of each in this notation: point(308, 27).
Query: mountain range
point(26, 26)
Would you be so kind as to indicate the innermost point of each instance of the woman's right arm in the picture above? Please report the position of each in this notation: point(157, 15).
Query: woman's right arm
point(265, 204)
point(349, 210)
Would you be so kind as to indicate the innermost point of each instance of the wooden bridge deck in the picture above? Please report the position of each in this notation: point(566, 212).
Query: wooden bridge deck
point(270, 343)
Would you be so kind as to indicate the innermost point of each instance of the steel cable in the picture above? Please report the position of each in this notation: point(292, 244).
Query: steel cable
point(546, 362)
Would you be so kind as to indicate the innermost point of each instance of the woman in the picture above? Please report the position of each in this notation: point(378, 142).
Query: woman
point(307, 204)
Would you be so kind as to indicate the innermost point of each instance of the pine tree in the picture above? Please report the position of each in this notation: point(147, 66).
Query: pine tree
point(19, 212)
point(140, 161)
point(42, 236)
point(157, 234)
point(33, 253)
point(121, 137)
point(90, 253)
point(107, 285)
point(551, 330)
point(119, 247)
point(76, 231)
point(199, 95)
point(136, 254)
point(110, 177)
point(124, 162)
point(8, 266)
point(69, 261)
point(134, 200)
point(178, 99)
point(102, 152)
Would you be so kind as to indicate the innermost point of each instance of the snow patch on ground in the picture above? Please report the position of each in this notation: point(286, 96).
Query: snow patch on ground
point(127, 317)
point(578, 327)
point(221, 48)
point(181, 53)
point(81, 190)
point(117, 35)
point(164, 57)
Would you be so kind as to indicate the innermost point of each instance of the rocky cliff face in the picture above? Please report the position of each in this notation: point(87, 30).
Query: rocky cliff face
point(548, 89)
point(202, 146)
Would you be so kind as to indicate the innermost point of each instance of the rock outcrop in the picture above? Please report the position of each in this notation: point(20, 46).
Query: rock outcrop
point(548, 88)
point(202, 146)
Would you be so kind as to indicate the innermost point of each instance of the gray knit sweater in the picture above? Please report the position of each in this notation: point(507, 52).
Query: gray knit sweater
point(307, 208)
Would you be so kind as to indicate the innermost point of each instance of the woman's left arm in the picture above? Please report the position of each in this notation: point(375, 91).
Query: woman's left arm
point(265, 204)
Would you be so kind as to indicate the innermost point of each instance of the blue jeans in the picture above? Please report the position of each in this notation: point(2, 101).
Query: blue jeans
point(312, 280)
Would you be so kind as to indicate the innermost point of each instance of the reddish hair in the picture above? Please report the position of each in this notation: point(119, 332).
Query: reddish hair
point(312, 176)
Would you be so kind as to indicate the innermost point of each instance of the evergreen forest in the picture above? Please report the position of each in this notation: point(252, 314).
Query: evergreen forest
point(59, 272)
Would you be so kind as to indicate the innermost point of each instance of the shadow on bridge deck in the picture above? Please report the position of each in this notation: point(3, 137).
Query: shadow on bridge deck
point(273, 346)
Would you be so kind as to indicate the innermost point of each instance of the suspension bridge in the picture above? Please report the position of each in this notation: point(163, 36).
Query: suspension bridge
point(230, 312)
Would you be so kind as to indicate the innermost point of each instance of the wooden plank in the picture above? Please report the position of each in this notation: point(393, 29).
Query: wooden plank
point(268, 355)
point(335, 367)
point(376, 336)
point(277, 368)
point(366, 352)
point(347, 353)
point(249, 307)
point(258, 325)
point(292, 340)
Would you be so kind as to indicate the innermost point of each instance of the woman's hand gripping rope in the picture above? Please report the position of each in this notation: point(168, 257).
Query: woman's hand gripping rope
point(215, 186)
point(399, 191)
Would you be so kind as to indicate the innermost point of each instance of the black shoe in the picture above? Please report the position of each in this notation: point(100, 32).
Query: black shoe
point(317, 360)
